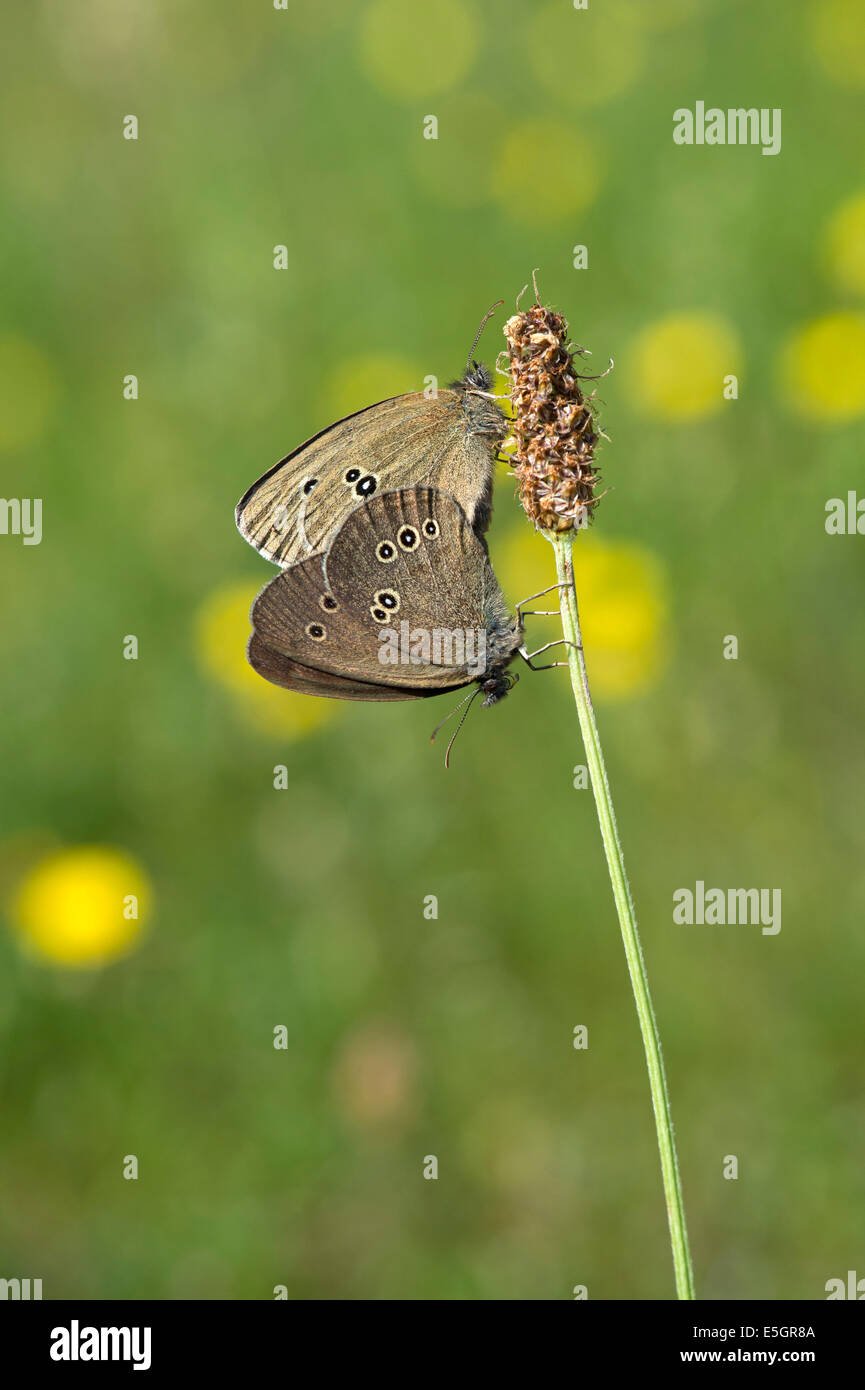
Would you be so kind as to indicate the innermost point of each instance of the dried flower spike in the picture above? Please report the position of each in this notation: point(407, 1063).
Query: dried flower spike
point(554, 424)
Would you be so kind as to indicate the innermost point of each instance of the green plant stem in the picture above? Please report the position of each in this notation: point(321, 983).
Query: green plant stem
point(563, 546)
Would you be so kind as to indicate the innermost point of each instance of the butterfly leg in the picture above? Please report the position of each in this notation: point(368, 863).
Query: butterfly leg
point(561, 642)
point(489, 396)
point(521, 605)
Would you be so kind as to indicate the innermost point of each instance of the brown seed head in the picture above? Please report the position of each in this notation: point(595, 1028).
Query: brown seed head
point(554, 424)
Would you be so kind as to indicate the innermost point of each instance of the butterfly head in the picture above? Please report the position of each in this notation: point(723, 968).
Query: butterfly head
point(478, 377)
point(496, 683)
point(483, 415)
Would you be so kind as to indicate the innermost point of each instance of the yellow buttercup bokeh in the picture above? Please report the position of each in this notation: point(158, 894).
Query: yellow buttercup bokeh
point(82, 907)
point(624, 610)
point(822, 368)
point(678, 366)
point(838, 36)
point(407, 63)
point(526, 178)
point(844, 245)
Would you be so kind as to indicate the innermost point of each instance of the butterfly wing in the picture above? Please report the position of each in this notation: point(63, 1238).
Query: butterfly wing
point(405, 599)
point(281, 670)
point(447, 441)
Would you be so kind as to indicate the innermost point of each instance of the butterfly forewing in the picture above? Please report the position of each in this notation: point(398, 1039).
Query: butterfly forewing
point(448, 440)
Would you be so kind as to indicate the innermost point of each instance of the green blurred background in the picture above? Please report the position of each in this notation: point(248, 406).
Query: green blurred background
point(258, 907)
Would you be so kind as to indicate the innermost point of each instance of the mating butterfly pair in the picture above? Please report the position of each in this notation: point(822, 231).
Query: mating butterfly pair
point(387, 591)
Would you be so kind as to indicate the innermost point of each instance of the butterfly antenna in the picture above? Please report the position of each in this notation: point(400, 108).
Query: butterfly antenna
point(467, 700)
point(484, 321)
point(459, 726)
point(450, 715)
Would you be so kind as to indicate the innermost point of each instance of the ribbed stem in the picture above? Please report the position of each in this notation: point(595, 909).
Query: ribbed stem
point(562, 544)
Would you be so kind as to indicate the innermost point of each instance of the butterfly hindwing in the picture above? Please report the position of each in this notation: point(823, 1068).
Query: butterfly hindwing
point(405, 599)
point(281, 670)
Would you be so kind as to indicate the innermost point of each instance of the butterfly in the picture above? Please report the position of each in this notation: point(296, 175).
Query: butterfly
point(403, 604)
point(448, 440)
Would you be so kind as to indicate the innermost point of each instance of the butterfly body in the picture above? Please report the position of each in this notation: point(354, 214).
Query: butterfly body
point(448, 440)
point(404, 604)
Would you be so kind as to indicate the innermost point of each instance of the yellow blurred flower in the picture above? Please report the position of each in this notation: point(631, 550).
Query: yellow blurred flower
point(822, 368)
point(844, 245)
point(82, 907)
point(544, 173)
point(29, 386)
point(679, 363)
point(587, 57)
point(410, 56)
point(361, 381)
point(838, 30)
point(222, 631)
point(624, 608)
